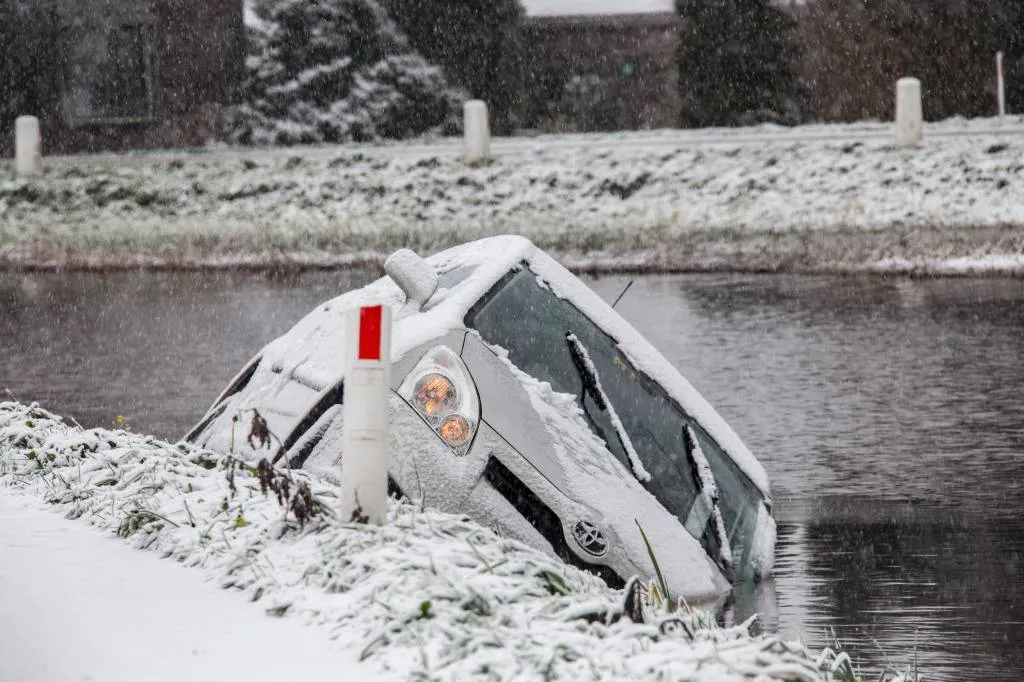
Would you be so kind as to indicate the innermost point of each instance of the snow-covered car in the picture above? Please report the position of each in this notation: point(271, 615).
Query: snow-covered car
point(523, 400)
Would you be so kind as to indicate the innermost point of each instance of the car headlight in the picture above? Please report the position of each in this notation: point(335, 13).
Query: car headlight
point(434, 395)
point(441, 390)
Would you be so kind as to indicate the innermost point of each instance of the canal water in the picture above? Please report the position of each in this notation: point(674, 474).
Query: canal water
point(888, 413)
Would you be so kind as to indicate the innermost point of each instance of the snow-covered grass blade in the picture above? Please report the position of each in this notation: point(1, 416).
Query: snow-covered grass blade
point(426, 596)
point(815, 198)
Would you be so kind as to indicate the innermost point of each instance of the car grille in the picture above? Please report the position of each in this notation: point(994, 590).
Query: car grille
point(542, 518)
point(335, 396)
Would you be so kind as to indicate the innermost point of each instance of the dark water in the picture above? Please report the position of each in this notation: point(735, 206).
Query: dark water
point(888, 413)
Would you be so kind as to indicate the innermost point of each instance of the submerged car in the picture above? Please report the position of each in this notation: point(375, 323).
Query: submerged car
point(523, 400)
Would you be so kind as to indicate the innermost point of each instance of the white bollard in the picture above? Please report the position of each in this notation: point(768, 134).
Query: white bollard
point(909, 119)
point(1000, 86)
point(477, 132)
point(364, 457)
point(28, 146)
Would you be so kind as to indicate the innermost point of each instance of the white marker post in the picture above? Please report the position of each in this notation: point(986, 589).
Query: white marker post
point(28, 146)
point(477, 132)
point(364, 458)
point(1000, 85)
point(909, 119)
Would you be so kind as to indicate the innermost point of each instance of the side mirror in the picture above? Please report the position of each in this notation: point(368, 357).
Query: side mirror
point(413, 275)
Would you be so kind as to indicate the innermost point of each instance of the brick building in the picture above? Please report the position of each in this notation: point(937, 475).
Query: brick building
point(135, 74)
point(600, 64)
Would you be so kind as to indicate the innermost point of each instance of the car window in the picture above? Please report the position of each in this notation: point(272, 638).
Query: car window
point(523, 316)
point(739, 500)
point(452, 278)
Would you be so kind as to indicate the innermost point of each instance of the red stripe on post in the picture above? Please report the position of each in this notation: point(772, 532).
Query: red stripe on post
point(369, 332)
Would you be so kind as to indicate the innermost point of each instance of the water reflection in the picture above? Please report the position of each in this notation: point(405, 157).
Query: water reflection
point(934, 582)
point(843, 386)
point(886, 411)
point(155, 348)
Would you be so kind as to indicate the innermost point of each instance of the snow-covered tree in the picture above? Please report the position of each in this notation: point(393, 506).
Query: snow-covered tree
point(736, 63)
point(336, 71)
point(476, 42)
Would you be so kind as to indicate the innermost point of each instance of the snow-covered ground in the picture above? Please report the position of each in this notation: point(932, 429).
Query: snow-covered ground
point(426, 596)
point(813, 198)
point(545, 8)
point(76, 604)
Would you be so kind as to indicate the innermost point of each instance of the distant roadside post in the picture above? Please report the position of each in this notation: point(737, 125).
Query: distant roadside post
point(365, 442)
point(476, 146)
point(909, 119)
point(28, 146)
point(1000, 85)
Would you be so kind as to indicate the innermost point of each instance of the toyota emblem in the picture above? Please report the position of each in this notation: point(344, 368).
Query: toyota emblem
point(590, 538)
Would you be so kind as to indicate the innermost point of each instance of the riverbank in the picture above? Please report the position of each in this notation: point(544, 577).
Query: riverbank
point(426, 596)
point(835, 198)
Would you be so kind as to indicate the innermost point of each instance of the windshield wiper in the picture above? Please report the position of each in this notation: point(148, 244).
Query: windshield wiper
point(592, 385)
point(705, 479)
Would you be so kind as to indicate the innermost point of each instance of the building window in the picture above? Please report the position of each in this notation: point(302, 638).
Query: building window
point(111, 75)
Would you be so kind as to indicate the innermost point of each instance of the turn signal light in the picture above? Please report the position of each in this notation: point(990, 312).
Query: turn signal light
point(435, 395)
point(442, 391)
point(455, 430)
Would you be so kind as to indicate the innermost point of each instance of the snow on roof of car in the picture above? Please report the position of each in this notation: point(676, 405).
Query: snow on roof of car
point(551, 8)
point(312, 351)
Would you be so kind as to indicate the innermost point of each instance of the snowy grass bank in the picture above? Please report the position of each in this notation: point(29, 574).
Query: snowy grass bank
point(817, 198)
point(427, 596)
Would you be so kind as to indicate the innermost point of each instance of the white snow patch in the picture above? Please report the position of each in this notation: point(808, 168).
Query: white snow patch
point(543, 8)
point(77, 605)
point(251, 19)
point(813, 198)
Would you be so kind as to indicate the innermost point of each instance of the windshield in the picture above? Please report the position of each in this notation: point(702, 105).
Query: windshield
point(523, 316)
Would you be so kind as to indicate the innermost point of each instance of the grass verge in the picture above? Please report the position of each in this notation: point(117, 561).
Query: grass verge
point(426, 596)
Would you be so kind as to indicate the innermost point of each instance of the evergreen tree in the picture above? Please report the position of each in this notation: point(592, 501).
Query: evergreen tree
point(476, 43)
point(854, 52)
point(336, 71)
point(28, 58)
point(736, 63)
point(1014, 63)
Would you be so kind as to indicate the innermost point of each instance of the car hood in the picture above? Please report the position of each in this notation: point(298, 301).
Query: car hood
point(603, 492)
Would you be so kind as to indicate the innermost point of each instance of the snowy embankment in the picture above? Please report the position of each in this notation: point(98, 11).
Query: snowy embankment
point(815, 198)
point(78, 605)
point(427, 596)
